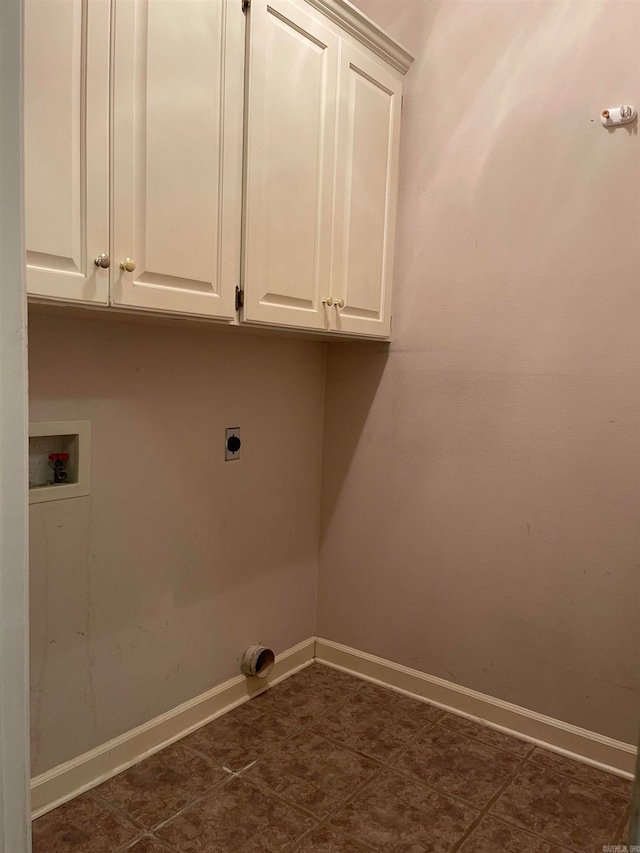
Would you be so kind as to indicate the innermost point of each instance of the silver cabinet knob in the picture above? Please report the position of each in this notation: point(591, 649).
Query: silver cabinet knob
point(128, 265)
point(340, 303)
point(328, 300)
point(103, 261)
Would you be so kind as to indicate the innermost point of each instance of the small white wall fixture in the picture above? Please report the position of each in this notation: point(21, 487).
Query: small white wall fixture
point(72, 438)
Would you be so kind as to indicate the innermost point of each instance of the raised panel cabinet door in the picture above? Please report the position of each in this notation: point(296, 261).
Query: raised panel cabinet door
point(291, 113)
point(66, 144)
point(177, 155)
point(366, 196)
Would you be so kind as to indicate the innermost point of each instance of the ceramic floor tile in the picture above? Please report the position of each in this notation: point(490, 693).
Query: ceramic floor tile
point(323, 840)
point(81, 826)
point(564, 812)
point(422, 710)
point(486, 735)
point(300, 700)
point(155, 789)
point(317, 674)
point(235, 817)
point(149, 845)
point(239, 737)
point(495, 836)
point(395, 813)
point(458, 766)
point(581, 772)
point(312, 773)
point(370, 727)
point(553, 805)
point(624, 835)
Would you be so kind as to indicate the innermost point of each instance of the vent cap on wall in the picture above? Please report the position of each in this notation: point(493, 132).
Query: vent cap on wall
point(257, 662)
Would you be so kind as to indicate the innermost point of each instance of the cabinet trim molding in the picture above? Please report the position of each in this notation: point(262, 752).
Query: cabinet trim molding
point(362, 28)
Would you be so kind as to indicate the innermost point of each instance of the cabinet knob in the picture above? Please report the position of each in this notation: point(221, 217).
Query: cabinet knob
point(340, 303)
point(328, 300)
point(103, 261)
point(128, 265)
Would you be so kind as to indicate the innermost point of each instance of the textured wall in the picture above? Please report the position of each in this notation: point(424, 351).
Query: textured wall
point(480, 497)
point(145, 593)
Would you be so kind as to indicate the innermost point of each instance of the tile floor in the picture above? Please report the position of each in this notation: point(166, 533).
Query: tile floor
point(326, 763)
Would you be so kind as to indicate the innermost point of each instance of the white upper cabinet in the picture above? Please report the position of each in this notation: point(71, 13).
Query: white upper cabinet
point(66, 114)
point(323, 131)
point(291, 122)
point(177, 154)
point(168, 166)
point(366, 193)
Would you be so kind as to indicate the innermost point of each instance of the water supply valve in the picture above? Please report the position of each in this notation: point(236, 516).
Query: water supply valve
point(59, 472)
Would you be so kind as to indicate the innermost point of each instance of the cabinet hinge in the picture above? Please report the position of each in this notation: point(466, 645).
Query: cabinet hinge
point(246, 5)
point(239, 298)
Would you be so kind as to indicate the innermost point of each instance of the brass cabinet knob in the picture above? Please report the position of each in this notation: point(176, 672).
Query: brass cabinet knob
point(128, 265)
point(328, 300)
point(103, 261)
point(340, 303)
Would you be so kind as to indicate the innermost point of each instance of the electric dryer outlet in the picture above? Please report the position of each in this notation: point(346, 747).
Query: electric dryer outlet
point(232, 443)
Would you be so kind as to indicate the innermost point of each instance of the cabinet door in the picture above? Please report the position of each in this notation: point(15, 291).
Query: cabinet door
point(291, 115)
point(177, 156)
point(66, 141)
point(366, 196)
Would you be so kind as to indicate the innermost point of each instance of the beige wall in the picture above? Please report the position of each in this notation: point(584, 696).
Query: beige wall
point(480, 499)
point(144, 594)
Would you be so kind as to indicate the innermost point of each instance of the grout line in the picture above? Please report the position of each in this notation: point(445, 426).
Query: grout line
point(484, 811)
point(619, 835)
point(567, 776)
point(300, 729)
point(456, 798)
point(162, 844)
point(268, 792)
point(309, 727)
point(297, 844)
point(476, 738)
point(343, 835)
point(451, 796)
point(210, 761)
point(264, 787)
point(355, 793)
point(114, 809)
point(384, 765)
point(304, 836)
point(341, 745)
point(513, 825)
point(190, 804)
point(148, 830)
point(407, 746)
point(379, 767)
point(129, 844)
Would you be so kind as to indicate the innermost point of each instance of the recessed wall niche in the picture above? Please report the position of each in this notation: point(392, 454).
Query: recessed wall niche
point(59, 460)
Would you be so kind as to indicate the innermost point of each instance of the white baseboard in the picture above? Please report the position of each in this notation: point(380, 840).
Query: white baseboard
point(555, 735)
point(72, 778)
point(66, 781)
